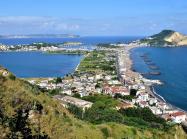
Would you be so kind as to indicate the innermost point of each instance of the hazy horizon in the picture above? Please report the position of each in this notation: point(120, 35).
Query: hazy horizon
point(92, 18)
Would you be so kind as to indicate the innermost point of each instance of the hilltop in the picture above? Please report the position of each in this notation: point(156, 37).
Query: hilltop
point(25, 112)
point(166, 37)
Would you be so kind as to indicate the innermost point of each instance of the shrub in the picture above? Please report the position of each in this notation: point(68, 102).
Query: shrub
point(12, 77)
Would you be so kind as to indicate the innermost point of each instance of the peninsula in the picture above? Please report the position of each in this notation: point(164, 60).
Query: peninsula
point(166, 38)
point(39, 36)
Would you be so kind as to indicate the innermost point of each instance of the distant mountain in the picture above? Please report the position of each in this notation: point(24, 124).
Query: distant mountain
point(166, 37)
point(41, 36)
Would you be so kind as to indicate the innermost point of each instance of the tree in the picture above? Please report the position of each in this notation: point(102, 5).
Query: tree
point(78, 112)
point(98, 114)
point(133, 92)
point(98, 85)
point(117, 95)
point(143, 113)
point(58, 80)
point(19, 126)
point(54, 92)
point(12, 77)
point(77, 95)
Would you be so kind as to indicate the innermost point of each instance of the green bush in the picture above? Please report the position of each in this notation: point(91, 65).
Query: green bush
point(98, 115)
point(143, 113)
point(78, 112)
point(12, 77)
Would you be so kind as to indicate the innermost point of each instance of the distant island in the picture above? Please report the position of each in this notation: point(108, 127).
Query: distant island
point(166, 38)
point(41, 36)
point(52, 48)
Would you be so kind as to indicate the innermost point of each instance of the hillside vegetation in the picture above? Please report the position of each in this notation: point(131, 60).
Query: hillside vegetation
point(25, 112)
point(166, 37)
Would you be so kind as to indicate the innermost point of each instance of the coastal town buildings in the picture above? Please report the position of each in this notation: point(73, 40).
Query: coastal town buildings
point(3, 47)
point(116, 90)
point(86, 84)
point(178, 117)
point(66, 100)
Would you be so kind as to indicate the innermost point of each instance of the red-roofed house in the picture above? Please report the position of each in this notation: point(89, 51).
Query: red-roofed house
point(178, 117)
point(143, 104)
point(116, 90)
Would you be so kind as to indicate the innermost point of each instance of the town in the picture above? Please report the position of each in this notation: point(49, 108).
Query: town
point(107, 71)
point(65, 47)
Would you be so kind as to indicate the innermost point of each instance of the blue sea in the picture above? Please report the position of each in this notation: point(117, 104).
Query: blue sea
point(86, 40)
point(37, 64)
point(172, 64)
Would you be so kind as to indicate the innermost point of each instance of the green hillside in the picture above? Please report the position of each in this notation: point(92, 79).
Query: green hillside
point(158, 39)
point(25, 112)
point(166, 37)
point(163, 34)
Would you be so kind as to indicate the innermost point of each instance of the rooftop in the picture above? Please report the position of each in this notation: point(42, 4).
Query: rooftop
point(178, 114)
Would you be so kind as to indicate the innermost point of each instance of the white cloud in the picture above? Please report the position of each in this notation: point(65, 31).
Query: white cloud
point(32, 24)
point(107, 26)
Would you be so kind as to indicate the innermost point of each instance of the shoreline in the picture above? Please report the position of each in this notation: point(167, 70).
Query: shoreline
point(149, 88)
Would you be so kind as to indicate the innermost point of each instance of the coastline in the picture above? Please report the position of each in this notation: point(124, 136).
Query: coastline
point(77, 67)
point(149, 89)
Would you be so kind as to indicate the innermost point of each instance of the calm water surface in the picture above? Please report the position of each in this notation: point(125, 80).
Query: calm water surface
point(86, 40)
point(37, 64)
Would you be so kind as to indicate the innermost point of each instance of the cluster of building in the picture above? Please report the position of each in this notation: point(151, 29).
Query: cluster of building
point(70, 46)
point(32, 47)
point(3, 47)
point(88, 83)
point(113, 90)
point(84, 85)
point(145, 97)
point(158, 107)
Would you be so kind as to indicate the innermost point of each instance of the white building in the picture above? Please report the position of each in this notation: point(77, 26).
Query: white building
point(143, 104)
point(74, 101)
point(108, 77)
point(143, 96)
point(162, 105)
point(98, 76)
point(155, 110)
point(66, 91)
point(152, 101)
point(178, 117)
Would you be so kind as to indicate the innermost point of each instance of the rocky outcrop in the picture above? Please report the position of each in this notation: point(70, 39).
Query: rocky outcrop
point(166, 38)
point(177, 38)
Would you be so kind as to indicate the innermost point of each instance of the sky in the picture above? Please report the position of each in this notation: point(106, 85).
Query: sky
point(92, 17)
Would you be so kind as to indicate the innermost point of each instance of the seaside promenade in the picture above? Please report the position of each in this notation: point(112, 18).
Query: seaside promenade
point(135, 80)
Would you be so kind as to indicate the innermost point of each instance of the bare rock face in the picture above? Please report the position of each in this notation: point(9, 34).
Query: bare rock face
point(166, 38)
point(177, 38)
